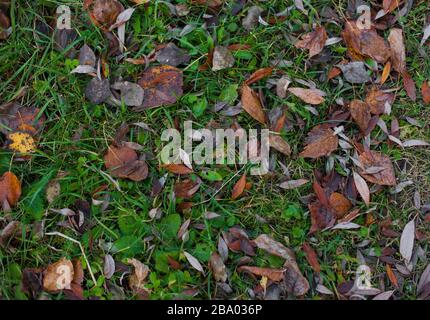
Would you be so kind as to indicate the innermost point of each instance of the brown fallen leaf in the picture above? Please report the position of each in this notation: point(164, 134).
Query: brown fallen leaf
point(311, 257)
point(10, 190)
point(272, 274)
point(322, 216)
point(378, 100)
point(239, 187)
point(162, 86)
point(19, 118)
point(425, 91)
point(266, 243)
point(385, 176)
point(294, 281)
point(123, 162)
point(321, 141)
point(409, 85)
point(8, 233)
point(186, 188)
point(138, 277)
point(278, 143)
point(258, 75)
point(217, 266)
point(390, 5)
point(365, 43)
point(386, 72)
point(311, 96)
point(340, 204)
point(103, 13)
point(177, 168)
point(360, 112)
point(398, 52)
point(58, 276)
point(252, 105)
point(313, 41)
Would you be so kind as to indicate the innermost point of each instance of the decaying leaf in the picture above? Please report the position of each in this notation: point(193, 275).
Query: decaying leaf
point(58, 276)
point(239, 187)
point(390, 5)
point(313, 41)
point(409, 85)
point(378, 100)
point(425, 91)
point(398, 51)
point(321, 141)
point(407, 241)
point(258, 75)
point(109, 266)
point(138, 277)
point(131, 93)
point(171, 55)
point(360, 112)
point(162, 86)
point(252, 105)
point(340, 204)
point(311, 96)
point(186, 188)
point(10, 190)
point(292, 184)
point(251, 19)
point(222, 58)
point(19, 118)
point(376, 159)
point(278, 143)
point(217, 266)
point(355, 72)
point(98, 91)
point(311, 257)
point(177, 168)
point(105, 12)
point(123, 162)
point(276, 248)
point(272, 274)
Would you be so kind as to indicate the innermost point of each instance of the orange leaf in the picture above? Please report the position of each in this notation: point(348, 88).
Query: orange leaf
point(251, 103)
point(278, 143)
point(311, 257)
point(177, 168)
point(386, 72)
point(10, 190)
point(391, 275)
point(272, 274)
point(238, 187)
point(390, 5)
point(340, 204)
point(333, 73)
point(425, 91)
point(258, 75)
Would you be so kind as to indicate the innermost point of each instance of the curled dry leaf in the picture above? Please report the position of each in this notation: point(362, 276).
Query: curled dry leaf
point(365, 43)
point(252, 105)
point(162, 86)
point(10, 190)
point(58, 276)
point(311, 257)
point(313, 41)
point(272, 274)
point(376, 159)
point(138, 277)
point(217, 266)
point(378, 100)
point(123, 162)
point(105, 12)
point(362, 188)
point(398, 52)
point(239, 187)
point(278, 143)
point(360, 112)
point(321, 141)
point(311, 96)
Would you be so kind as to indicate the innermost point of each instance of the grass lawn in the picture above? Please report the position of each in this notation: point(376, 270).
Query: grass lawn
point(77, 133)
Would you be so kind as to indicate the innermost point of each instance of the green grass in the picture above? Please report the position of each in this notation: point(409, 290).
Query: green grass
point(43, 75)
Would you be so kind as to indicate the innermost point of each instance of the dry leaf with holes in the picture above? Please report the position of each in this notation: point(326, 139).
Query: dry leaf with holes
point(162, 85)
point(58, 276)
point(311, 96)
point(10, 190)
point(238, 188)
point(252, 105)
point(321, 141)
point(313, 41)
point(385, 176)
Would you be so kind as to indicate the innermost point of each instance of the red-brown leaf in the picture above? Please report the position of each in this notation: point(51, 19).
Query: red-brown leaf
point(409, 85)
point(272, 274)
point(258, 75)
point(321, 141)
point(311, 257)
point(252, 105)
point(313, 41)
point(425, 91)
point(238, 188)
point(311, 96)
point(10, 190)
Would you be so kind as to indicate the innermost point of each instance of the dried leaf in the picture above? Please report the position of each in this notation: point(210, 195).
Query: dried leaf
point(131, 93)
point(58, 276)
point(87, 56)
point(311, 96)
point(123, 162)
point(258, 75)
point(278, 143)
point(340, 204)
point(186, 188)
point(362, 188)
point(98, 91)
point(172, 55)
point(398, 52)
point(162, 86)
point(52, 191)
point(10, 190)
point(217, 266)
point(425, 91)
point(272, 274)
point(138, 277)
point(222, 58)
point(407, 241)
point(177, 168)
point(194, 262)
point(386, 72)
point(409, 85)
point(251, 19)
point(313, 41)
point(239, 187)
point(105, 12)
point(266, 243)
point(424, 279)
point(109, 266)
point(391, 275)
point(321, 141)
point(292, 184)
point(360, 112)
point(252, 105)
point(355, 72)
point(122, 18)
point(378, 100)
point(311, 257)
point(376, 159)
point(390, 5)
